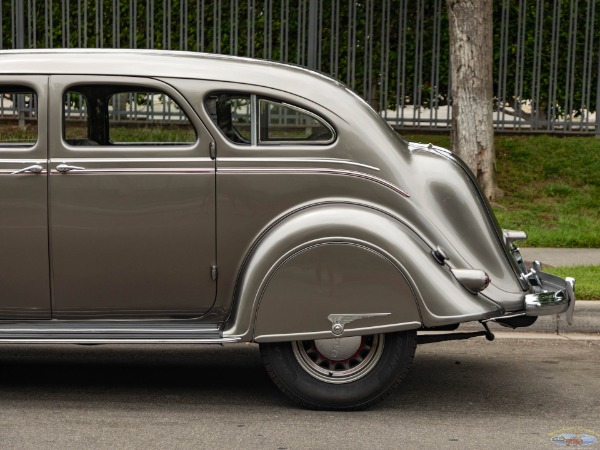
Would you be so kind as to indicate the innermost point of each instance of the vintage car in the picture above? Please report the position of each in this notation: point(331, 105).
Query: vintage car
point(170, 197)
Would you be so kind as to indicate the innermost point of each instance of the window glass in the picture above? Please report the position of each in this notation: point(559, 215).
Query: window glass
point(148, 117)
point(282, 122)
point(76, 118)
point(116, 115)
point(232, 114)
point(18, 117)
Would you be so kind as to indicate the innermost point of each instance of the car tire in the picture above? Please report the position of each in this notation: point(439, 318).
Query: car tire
point(348, 373)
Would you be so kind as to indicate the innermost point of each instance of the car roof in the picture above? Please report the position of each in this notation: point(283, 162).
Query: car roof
point(160, 63)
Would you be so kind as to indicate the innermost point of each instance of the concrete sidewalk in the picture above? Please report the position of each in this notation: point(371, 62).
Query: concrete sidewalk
point(562, 256)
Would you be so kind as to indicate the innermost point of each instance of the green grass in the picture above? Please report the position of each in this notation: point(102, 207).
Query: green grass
point(549, 187)
point(587, 280)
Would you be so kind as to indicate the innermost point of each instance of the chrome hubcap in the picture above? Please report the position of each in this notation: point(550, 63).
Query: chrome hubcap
point(339, 360)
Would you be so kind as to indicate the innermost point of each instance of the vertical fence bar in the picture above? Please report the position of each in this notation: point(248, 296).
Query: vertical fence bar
point(367, 52)
point(401, 77)
point(571, 61)
point(20, 25)
point(385, 59)
point(418, 75)
point(587, 65)
point(32, 25)
point(553, 114)
point(537, 61)
point(320, 36)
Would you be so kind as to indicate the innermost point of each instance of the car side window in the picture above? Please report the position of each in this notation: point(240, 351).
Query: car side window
point(232, 114)
point(18, 117)
point(247, 119)
point(100, 115)
point(281, 122)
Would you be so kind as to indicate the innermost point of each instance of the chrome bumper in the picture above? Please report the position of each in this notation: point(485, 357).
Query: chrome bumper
point(556, 296)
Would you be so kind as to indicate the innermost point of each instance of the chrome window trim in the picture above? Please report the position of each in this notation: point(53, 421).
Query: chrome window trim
point(253, 120)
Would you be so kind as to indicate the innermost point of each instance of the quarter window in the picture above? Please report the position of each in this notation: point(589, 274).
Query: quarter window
point(18, 117)
point(118, 115)
point(280, 122)
point(247, 119)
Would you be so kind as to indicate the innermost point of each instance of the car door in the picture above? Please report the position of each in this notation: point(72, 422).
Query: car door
point(24, 272)
point(132, 201)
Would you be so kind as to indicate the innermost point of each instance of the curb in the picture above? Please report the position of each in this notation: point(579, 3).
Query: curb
point(586, 319)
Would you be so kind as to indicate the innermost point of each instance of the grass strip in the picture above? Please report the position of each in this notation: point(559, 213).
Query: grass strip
point(587, 279)
point(548, 186)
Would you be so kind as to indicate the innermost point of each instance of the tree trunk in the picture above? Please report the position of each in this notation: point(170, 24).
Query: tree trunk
point(471, 57)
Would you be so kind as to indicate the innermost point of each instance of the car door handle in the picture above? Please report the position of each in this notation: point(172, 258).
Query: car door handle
point(64, 168)
point(36, 168)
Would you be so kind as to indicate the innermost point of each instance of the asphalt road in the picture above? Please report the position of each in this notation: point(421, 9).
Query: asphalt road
point(510, 393)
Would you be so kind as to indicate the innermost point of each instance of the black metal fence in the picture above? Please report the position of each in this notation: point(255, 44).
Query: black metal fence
point(394, 53)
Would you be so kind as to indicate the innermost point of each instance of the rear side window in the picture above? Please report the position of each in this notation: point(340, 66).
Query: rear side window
point(281, 122)
point(248, 119)
point(119, 115)
point(18, 117)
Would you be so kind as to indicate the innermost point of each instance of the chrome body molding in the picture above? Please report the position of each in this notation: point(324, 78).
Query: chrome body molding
point(82, 170)
point(322, 171)
point(21, 172)
point(21, 161)
point(129, 160)
point(291, 160)
point(327, 334)
point(88, 340)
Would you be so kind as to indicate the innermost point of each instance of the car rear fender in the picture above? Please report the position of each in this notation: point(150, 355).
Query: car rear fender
point(348, 266)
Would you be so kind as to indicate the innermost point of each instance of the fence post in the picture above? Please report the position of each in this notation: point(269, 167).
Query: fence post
point(20, 24)
point(313, 33)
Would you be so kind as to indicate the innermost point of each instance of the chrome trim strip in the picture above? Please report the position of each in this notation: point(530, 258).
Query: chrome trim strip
point(44, 329)
point(22, 161)
point(300, 160)
point(128, 160)
point(12, 172)
point(225, 340)
point(300, 170)
point(347, 333)
point(138, 170)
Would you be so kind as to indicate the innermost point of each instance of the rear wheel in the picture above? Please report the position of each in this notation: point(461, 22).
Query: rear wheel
point(340, 373)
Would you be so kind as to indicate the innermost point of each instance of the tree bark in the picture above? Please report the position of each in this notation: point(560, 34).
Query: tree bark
point(471, 57)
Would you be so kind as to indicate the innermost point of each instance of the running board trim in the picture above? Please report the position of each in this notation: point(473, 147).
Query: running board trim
point(28, 340)
point(118, 332)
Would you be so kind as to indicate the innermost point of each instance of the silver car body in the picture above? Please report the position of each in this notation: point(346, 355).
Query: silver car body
point(215, 241)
